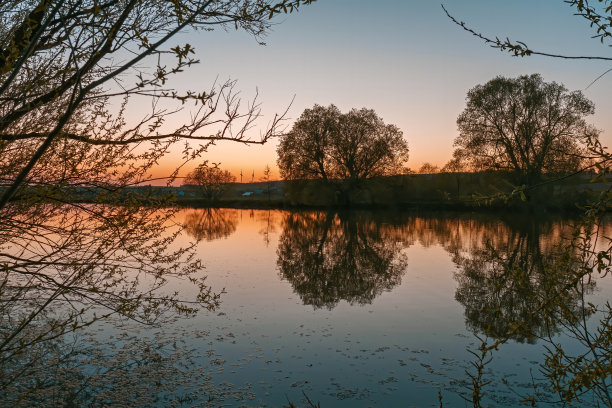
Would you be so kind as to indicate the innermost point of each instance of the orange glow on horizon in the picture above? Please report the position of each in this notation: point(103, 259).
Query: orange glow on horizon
point(251, 160)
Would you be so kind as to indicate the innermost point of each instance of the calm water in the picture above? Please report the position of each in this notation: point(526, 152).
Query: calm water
point(372, 309)
point(354, 309)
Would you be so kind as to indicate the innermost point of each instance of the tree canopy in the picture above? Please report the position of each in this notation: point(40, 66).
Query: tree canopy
point(327, 144)
point(75, 244)
point(211, 180)
point(428, 168)
point(524, 125)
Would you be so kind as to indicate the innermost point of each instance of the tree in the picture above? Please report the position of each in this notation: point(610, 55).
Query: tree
point(325, 144)
point(428, 168)
point(211, 180)
point(304, 153)
point(59, 61)
point(525, 126)
point(587, 370)
point(69, 71)
point(454, 165)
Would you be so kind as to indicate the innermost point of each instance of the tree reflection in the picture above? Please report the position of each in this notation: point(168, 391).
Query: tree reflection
point(211, 223)
point(67, 267)
point(331, 257)
point(515, 287)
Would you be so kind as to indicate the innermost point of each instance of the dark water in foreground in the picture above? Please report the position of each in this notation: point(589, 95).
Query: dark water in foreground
point(378, 309)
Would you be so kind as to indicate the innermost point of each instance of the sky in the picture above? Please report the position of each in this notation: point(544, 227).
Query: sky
point(403, 58)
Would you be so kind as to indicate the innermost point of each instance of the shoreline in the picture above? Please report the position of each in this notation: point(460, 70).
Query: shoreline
point(471, 192)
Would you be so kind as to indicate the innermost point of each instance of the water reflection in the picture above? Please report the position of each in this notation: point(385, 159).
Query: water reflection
point(331, 257)
point(268, 221)
point(513, 273)
point(509, 282)
point(515, 283)
point(211, 223)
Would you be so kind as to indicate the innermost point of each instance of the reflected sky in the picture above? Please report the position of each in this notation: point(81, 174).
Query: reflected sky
point(292, 319)
point(355, 309)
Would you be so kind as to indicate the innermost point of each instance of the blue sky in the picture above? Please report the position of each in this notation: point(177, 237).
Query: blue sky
point(404, 59)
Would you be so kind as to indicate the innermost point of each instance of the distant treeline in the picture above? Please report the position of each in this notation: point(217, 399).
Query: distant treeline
point(443, 190)
point(449, 190)
point(430, 191)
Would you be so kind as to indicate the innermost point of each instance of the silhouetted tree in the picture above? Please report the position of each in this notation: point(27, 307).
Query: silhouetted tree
point(210, 180)
point(266, 179)
point(525, 126)
point(428, 168)
point(326, 144)
point(454, 165)
point(304, 153)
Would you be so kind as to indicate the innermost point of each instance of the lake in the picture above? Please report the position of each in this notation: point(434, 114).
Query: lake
point(346, 309)
point(376, 308)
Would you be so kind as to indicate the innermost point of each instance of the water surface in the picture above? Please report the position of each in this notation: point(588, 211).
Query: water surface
point(376, 309)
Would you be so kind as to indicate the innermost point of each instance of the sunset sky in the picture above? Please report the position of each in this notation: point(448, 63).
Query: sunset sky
point(405, 59)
